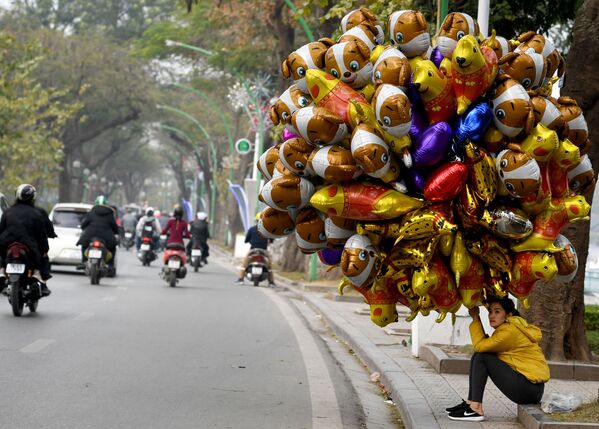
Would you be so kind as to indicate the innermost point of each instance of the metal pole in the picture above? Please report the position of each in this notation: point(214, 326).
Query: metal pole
point(483, 17)
point(442, 9)
point(313, 267)
point(301, 20)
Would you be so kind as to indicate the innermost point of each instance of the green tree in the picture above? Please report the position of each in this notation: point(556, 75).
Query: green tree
point(32, 116)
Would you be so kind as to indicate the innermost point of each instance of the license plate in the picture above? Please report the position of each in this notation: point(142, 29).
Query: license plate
point(145, 247)
point(174, 263)
point(128, 235)
point(256, 271)
point(15, 268)
point(148, 228)
point(94, 254)
point(196, 252)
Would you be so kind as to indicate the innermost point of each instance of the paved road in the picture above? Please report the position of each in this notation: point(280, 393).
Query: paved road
point(134, 353)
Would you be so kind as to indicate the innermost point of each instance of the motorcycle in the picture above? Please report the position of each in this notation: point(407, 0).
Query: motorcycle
point(174, 264)
point(98, 257)
point(129, 239)
point(257, 269)
point(146, 252)
point(22, 289)
point(196, 256)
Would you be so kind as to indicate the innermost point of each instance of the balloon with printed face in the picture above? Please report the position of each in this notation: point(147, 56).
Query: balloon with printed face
point(566, 260)
point(438, 283)
point(446, 182)
point(309, 230)
point(334, 163)
point(360, 261)
point(372, 154)
point(541, 143)
point(382, 299)
point(294, 154)
point(287, 193)
point(473, 70)
point(275, 224)
point(432, 146)
point(529, 269)
point(519, 173)
point(266, 162)
point(291, 100)
point(338, 230)
point(319, 126)
point(435, 91)
point(581, 179)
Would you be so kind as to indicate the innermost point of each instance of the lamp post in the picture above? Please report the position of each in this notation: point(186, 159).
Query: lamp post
point(86, 174)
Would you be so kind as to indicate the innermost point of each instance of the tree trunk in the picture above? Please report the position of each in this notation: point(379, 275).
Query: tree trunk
point(556, 307)
point(285, 34)
point(64, 181)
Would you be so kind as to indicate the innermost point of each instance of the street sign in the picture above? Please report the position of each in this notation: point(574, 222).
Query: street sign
point(243, 146)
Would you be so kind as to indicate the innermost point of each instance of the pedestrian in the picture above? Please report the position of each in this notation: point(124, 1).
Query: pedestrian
point(511, 356)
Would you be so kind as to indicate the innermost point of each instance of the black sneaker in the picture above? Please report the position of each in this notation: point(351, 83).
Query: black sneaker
point(455, 408)
point(239, 281)
point(467, 415)
point(45, 290)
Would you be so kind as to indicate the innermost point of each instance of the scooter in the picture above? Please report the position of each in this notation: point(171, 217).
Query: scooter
point(129, 239)
point(174, 264)
point(98, 257)
point(196, 257)
point(257, 269)
point(146, 253)
point(22, 289)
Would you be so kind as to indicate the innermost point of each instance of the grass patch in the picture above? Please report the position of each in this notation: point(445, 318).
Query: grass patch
point(593, 339)
point(587, 413)
point(296, 276)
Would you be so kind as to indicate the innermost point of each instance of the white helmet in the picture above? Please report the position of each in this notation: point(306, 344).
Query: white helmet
point(202, 216)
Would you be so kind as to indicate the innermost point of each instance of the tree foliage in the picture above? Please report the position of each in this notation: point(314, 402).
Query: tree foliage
point(32, 115)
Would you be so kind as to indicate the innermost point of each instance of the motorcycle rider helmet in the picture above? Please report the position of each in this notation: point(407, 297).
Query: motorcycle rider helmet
point(100, 200)
point(149, 212)
point(202, 216)
point(178, 213)
point(26, 192)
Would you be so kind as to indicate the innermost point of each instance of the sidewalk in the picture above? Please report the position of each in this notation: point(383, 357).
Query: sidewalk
point(419, 392)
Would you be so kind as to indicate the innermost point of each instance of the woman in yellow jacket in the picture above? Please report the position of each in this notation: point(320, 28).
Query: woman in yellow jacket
point(511, 357)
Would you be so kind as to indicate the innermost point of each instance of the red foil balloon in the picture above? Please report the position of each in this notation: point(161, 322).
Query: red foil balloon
point(446, 182)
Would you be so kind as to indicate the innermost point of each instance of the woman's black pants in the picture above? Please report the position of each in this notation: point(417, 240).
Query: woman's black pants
point(511, 383)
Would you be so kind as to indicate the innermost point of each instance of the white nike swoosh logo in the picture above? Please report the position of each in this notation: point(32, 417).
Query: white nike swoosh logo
point(470, 414)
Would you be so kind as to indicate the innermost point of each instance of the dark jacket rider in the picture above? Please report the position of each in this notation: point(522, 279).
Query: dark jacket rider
point(24, 223)
point(99, 223)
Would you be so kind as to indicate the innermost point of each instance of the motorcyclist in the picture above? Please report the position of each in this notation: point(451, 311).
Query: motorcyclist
point(257, 241)
point(176, 228)
point(129, 221)
point(25, 223)
point(100, 223)
point(200, 235)
point(148, 220)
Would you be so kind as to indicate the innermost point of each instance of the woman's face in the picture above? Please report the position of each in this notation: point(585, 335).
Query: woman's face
point(497, 315)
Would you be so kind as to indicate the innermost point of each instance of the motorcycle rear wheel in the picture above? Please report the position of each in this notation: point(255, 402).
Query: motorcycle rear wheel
point(16, 300)
point(94, 274)
point(33, 305)
point(172, 281)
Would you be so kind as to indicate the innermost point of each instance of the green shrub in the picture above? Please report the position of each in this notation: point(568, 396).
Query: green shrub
point(591, 317)
point(593, 339)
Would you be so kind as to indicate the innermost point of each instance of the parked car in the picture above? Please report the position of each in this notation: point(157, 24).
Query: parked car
point(67, 218)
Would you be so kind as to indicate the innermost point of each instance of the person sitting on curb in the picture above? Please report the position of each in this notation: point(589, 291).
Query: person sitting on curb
point(511, 356)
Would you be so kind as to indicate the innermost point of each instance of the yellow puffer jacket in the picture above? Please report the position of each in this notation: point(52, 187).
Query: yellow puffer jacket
point(516, 343)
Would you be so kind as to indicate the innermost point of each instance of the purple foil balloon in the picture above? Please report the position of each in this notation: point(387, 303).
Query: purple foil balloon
point(436, 57)
point(330, 256)
point(419, 122)
point(288, 134)
point(432, 146)
point(415, 179)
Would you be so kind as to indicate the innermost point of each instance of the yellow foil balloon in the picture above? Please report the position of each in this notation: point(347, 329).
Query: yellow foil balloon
point(492, 252)
point(424, 223)
point(414, 253)
point(482, 172)
point(530, 268)
point(540, 143)
point(446, 245)
point(469, 272)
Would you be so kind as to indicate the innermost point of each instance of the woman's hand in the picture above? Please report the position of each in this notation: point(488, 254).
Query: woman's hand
point(474, 313)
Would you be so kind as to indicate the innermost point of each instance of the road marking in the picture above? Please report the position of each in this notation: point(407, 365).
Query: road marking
point(84, 316)
point(325, 408)
point(122, 287)
point(110, 298)
point(36, 346)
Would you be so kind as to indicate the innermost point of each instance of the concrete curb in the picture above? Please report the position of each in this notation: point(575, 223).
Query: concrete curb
point(410, 402)
point(445, 364)
point(532, 417)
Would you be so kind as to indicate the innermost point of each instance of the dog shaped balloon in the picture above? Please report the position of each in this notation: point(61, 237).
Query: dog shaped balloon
point(319, 126)
point(275, 224)
point(350, 62)
point(578, 131)
point(528, 68)
point(529, 269)
point(581, 179)
point(435, 91)
point(372, 154)
point(455, 26)
point(392, 67)
point(294, 154)
point(546, 112)
point(290, 101)
point(287, 193)
point(334, 163)
point(266, 162)
point(363, 16)
point(364, 32)
point(309, 231)
point(338, 230)
point(309, 56)
point(519, 172)
point(500, 45)
point(394, 115)
point(512, 109)
point(541, 45)
point(360, 261)
point(408, 31)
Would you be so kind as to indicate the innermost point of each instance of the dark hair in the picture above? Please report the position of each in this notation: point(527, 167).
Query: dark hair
point(506, 303)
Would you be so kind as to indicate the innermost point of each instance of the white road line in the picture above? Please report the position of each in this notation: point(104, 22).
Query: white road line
point(36, 346)
point(325, 408)
point(84, 316)
point(110, 298)
point(122, 287)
